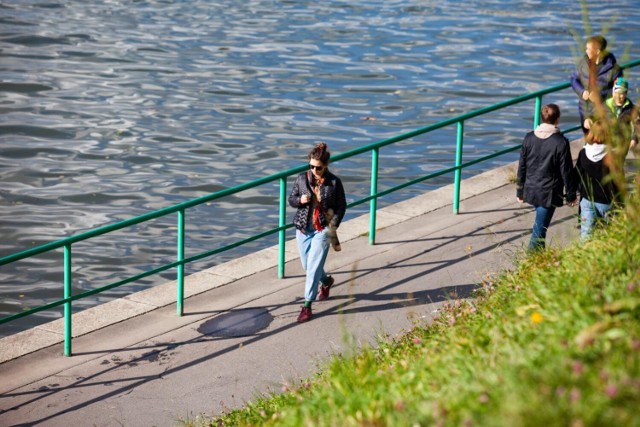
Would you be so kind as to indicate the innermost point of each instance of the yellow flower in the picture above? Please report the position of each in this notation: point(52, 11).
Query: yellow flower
point(536, 317)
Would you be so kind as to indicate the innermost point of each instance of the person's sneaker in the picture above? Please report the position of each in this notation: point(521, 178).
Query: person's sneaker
point(305, 314)
point(325, 288)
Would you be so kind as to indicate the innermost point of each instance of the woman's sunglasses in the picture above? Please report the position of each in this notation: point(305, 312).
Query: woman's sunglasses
point(314, 167)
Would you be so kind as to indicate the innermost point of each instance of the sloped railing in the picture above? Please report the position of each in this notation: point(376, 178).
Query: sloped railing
point(281, 177)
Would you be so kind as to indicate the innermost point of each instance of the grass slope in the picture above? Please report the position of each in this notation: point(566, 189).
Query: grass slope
point(556, 342)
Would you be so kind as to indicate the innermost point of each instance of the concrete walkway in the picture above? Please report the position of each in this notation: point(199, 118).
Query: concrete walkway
point(136, 363)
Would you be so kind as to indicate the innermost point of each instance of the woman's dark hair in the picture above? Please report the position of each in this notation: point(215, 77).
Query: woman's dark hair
point(550, 114)
point(320, 152)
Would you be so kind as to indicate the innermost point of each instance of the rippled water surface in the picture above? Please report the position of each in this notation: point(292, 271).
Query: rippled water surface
point(112, 109)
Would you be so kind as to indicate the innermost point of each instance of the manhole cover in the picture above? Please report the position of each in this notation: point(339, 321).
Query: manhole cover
point(237, 323)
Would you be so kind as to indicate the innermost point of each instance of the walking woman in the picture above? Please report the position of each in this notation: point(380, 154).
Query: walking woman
point(598, 190)
point(319, 198)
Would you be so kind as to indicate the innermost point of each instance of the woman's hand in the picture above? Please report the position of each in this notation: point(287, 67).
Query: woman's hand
point(304, 199)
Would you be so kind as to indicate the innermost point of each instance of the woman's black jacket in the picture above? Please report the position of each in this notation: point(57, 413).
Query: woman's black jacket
point(333, 202)
point(594, 185)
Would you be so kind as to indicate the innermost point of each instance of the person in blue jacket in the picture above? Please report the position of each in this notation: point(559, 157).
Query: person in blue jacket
point(545, 169)
point(594, 76)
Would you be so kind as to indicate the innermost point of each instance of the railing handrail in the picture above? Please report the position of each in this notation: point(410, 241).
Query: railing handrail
point(180, 208)
point(284, 174)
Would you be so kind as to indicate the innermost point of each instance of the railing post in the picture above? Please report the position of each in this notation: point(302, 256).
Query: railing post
point(180, 278)
point(373, 204)
point(281, 223)
point(458, 172)
point(536, 114)
point(67, 305)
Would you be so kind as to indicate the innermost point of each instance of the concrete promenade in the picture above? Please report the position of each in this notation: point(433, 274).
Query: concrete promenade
point(136, 363)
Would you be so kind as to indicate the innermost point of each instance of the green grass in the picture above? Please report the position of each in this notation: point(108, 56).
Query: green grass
point(555, 342)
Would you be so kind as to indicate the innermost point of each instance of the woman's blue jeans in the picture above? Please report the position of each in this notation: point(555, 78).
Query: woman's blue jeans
point(540, 226)
point(313, 247)
point(589, 213)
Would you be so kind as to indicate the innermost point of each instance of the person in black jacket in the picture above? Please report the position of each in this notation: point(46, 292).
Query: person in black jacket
point(544, 170)
point(597, 191)
point(319, 198)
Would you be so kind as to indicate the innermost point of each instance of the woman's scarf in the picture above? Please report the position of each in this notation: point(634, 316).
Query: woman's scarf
point(315, 187)
point(595, 152)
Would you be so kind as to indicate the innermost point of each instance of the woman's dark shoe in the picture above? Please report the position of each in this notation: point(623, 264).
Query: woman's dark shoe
point(325, 288)
point(305, 314)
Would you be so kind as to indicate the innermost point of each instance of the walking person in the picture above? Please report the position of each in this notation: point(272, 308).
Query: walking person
point(318, 196)
point(594, 76)
point(598, 191)
point(544, 170)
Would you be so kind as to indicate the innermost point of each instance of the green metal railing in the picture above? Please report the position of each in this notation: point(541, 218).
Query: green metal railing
point(281, 177)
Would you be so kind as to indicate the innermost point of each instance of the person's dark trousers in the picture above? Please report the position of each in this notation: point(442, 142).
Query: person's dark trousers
point(585, 131)
point(540, 226)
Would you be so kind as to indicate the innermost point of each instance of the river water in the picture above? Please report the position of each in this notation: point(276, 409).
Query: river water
point(114, 108)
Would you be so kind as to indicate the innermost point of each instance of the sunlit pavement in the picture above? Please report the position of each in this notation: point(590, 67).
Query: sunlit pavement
point(239, 338)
